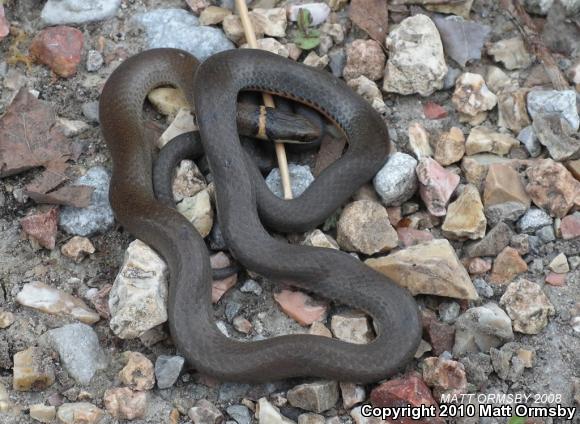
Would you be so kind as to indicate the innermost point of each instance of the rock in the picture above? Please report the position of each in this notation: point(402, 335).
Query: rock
point(315, 61)
point(95, 60)
point(366, 58)
point(300, 176)
point(450, 147)
point(477, 266)
point(465, 218)
point(504, 195)
point(432, 110)
point(436, 185)
point(167, 370)
point(427, 268)
point(506, 266)
point(32, 370)
point(139, 295)
point(58, 12)
point(42, 413)
point(509, 361)
point(533, 220)
point(492, 244)
point(396, 182)
point(125, 404)
point(79, 412)
point(98, 216)
point(4, 24)
point(300, 307)
point(475, 167)
point(554, 102)
point(555, 133)
point(168, 101)
point(47, 299)
point(482, 139)
point(410, 236)
point(460, 9)
point(366, 88)
point(272, 20)
point(310, 418)
point(416, 62)
point(337, 61)
point(527, 306)
point(570, 226)
point(72, 128)
point(352, 394)
point(552, 187)
point(6, 319)
point(242, 325)
point(240, 414)
point(419, 141)
point(511, 53)
point(529, 139)
point(481, 328)
point(462, 39)
point(198, 211)
point(512, 111)
point(440, 336)
point(271, 45)
point(318, 11)
point(205, 412)
point(559, 264)
point(137, 374)
point(521, 242)
point(188, 180)
point(179, 29)
point(538, 7)
point(352, 327)
point(471, 96)
point(317, 238)
point(59, 48)
point(220, 287)
point(445, 376)
point(318, 396)
point(91, 111)
point(477, 368)
point(182, 123)
point(41, 227)
point(213, 15)
point(79, 351)
point(364, 227)
point(546, 234)
point(409, 389)
point(267, 413)
point(251, 286)
point(77, 248)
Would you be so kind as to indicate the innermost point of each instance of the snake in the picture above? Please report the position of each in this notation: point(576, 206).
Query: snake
point(248, 212)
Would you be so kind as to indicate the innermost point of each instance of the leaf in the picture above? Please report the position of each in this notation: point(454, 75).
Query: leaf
point(30, 138)
point(517, 420)
point(372, 16)
point(307, 43)
point(462, 40)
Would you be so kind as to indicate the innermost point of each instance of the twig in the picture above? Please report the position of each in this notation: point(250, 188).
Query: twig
point(268, 100)
point(533, 40)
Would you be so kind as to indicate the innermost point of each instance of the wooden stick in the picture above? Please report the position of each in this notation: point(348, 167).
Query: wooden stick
point(268, 100)
point(534, 41)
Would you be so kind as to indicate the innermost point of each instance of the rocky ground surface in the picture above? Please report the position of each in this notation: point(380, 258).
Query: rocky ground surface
point(477, 212)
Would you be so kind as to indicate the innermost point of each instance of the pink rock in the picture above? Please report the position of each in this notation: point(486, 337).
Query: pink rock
point(434, 111)
point(220, 287)
point(407, 390)
point(555, 279)
point(4, 25)
point(441, 336)
point(125, 404)
point(59, 48)
point(395, 215)
point(478, 266)
point(436, 185)
point(300, 307)
point(410, 236)
point(444, 376)
point(42, 227)
point(364, 57)
point(570, 227)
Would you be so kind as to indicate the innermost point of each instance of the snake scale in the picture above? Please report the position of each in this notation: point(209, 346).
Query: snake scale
point(245, 208)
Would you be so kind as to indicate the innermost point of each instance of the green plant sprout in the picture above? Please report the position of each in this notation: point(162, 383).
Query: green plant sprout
point(307, 38)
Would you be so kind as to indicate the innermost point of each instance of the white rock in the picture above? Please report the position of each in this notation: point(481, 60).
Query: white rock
point(198, 211)
point(138, 299)
point(72, 128)
point(416, 63)
point(79, 412)
point(365, 88)
point(182, 123)
point(472, 96)
point(511, 52)
point(269, 414)
point(560, 264)
point(58, 12)
point(562, 103)
point(353, 327)
point(396, 182)
point(271, 45)
point(300, 178)
point(47, 299)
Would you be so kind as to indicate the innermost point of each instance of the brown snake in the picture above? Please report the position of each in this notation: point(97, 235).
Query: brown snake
point(244, 206)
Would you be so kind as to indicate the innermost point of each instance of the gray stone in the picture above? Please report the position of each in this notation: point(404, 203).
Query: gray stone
point(216, 238)
point(98, 216)
point(528, 138)
point(317, 396)
point(205, 412)
point(481, 328)
point(337, 61)
point(180, 29)
point(311, 418)
point(483, 289)
point(79, 351)
point(59, 12)
point(555, 133)
point(232, 391)
point(451, 77)
point(300, 178)
point(396, 182)
point(533, 220)
point(477, 367)
point(94, 60)
point(508, 364)
point(91, 111)
point(240, 414)
point(167, 370)
point(251, 286)
point(449, 311)
point(546, 234)
point(507, 211)
point(493, 243)
point(562, 103)
point(538, 7)
point(232, 309)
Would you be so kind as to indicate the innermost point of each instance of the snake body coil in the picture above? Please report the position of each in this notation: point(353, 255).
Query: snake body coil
point(244, 204)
